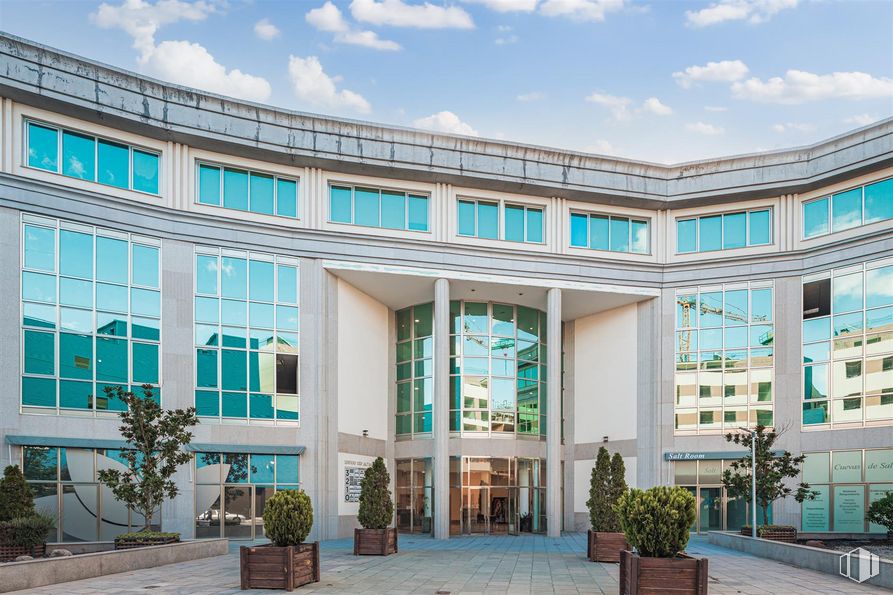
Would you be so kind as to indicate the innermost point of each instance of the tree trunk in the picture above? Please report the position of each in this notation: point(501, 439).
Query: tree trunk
point(765, 514)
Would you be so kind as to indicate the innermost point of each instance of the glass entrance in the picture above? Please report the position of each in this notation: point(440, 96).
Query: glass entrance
point(710, 509)
point(237, 516)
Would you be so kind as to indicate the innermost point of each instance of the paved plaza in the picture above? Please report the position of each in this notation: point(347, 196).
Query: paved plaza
point(467, 565)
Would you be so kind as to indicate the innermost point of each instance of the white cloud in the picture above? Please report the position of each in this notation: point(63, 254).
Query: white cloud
point(532, 96)
point(798, 86)
point(793, 126)
point(141, 19)
point(861, 120)
point(329, 18)
point(724, 71)
point(621, 107)
point(703, 128)
point(399, 14)
point(653, 105)
point(266, 30)
point(600, 146)
point(583, 10)
point(313, 86)
point(192, 65)
point(507, 5)
point(752, 11)
point(508, 40)
point(445, 121)
point(716, 108)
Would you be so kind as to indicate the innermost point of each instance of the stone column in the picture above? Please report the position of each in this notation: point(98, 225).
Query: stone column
point(441, 412)
point(553, 411)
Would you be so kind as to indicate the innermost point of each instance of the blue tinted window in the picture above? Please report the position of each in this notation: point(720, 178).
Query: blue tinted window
point(488, 220)
point(514, 223)
point(111, 297)
point(288, 284)
point(114, 164)
point(760, 228)
point(76, 254)
point(261, 275)
point(393, 210)
point(145, 265)
point(234, 369)
point(76, 356)
point(879, 201)
point(38, 287)
point(686, 236)
point(40, 248)
point(286, 198)
point(599, 232)
point(206, 274)
point(111, 260)
point(466, 218)
point(145, 363)
point(208, 184)
point(262, 467)
point(145, 172)
point(235, 405)
point(75, 395)
point(639, 237)
point(78, 155)
point(40, 353)
point(846, 210)
point(579, 232)
point(43, 147)
point(815, 218)
point(75, 292)
point(262, 194)
point(619, 234)
point(734, 230)
point(366, 207)
point(535, 225)
point(206, 368)
point(340, 204)
point(235, 189)
point(207, 403)
point(145, 302)
point(38, 392)
point(418, 213)
point(234, 278)
point(710, 230)
point(286, 469)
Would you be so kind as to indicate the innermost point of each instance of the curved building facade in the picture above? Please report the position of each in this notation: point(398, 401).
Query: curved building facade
point(484, 315)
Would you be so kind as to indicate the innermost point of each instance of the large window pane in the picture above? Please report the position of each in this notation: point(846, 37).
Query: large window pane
point(847, 293)
point(111, 360)
point(710, 233)
point(488, 220)
point(261, 194)
point(40, 248)
point(879, 201)
point(262, 284)
point(40, 353)
point(686, 236)
point(514, 223)
point(234, 370)
point(846, 210)
point(393, 210)
point(114, 164)
point(579, 230)
point(639, 237)
point(235, 189)
point(340, 208)
point(734, 230)
point(111, 260)
point(366, 207)
point(208, 184)
point(879, 287)
point(599, 232)
point(760, 231)
point(287, 374)
point(288, 284)
point(38, 392)
point(76, 254)
point(418, 213)
point(815, 218)
point(145, 171)
point(76, 356)
point(78, 155)
point(535, 225)
point(43, 147)
point(145, 363)
point(286, 198)
point(234, 278)
point(619, 234)
point(39, 287)
point(145, 265)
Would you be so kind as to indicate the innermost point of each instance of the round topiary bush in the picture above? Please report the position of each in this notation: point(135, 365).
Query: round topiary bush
point(376, 506)
point(288, 517)
point(657, 521)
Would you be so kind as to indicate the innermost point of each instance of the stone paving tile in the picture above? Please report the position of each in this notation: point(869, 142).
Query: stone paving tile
point(528, 564)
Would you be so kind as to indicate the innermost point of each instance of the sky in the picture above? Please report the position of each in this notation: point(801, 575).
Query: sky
point(652, 80)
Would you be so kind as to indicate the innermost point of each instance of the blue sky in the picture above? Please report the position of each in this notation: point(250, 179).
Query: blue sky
point(660, 81)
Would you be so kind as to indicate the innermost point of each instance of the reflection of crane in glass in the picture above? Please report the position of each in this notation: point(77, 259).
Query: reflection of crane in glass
point(687, 303)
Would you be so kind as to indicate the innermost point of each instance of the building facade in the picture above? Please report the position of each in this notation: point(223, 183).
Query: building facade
point(483, 315)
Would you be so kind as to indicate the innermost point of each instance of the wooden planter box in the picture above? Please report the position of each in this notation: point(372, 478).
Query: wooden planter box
point(785, 535)
point(129, 544)
point(682, 575)
point(11, 552)
point(271, 567)
point(374, 542)
point(605, 547)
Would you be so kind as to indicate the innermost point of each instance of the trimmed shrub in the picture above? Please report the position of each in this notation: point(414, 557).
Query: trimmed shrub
point(146, 536)
point(376, 506)
point(27, 531)
point(657, 521)
point(288, 517)
point(16, 498)
point(881, 512)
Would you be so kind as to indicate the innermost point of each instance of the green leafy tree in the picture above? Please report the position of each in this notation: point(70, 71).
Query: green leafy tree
point(657, 521)
point(154, 439)
point(16, 498)
point(376, 505)
point(607, 483)
point(288, 517)
point(881, 512)
point(772, 471)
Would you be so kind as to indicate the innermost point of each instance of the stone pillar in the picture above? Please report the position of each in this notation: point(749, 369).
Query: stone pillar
point(554, 413)
point(441, 413)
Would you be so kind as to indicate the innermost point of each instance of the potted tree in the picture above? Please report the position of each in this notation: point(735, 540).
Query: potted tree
point(287, 562)
point(772, 471)
point(606, 484)
point(656, 523)
point(376, 538)
point(881, 513)
point(23, 531)
point(154, 437)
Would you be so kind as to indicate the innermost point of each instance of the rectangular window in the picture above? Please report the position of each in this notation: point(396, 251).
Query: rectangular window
point(105, 324)
point(95, 159)
point(607, 232)
point(848, 209)
point(374, 207)
point(726, 231)
point(247, 337)
point(480, 218)
point(244, 190)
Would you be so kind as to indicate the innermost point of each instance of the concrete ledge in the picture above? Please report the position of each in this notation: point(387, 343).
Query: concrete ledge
point(50, 571)
point(801, 556)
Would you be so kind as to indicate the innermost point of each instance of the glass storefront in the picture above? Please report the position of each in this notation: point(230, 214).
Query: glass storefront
point(847, 481)
point(65, 486)
point(232, 489)
point(716, 511)
point(414, 481)
point(492, 495)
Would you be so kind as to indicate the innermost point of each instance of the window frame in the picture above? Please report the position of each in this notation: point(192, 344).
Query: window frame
point(501, 206)
point(60, 130)
point(829, 214)
point(609, 217)
point(407, 194)
point(722, 227)
point(221, 167)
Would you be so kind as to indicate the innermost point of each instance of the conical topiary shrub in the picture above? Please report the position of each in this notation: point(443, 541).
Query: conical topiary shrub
point(375, 514)
point(606, 484)
point(16, 497)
